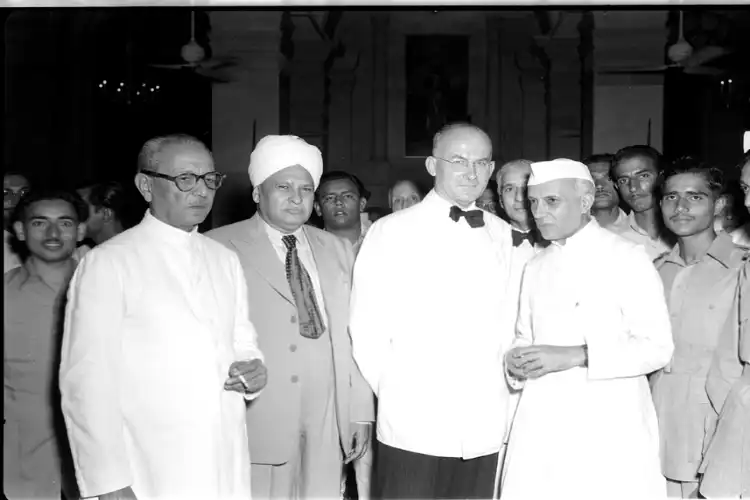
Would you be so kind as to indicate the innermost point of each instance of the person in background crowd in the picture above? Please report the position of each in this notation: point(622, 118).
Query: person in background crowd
point(403, 194)
point(585, 427)
point(159, 355)
point(15, 186)
point(732, 214)
point(340, 199)
point(700, 277)
point(725, 472)
point(299, 279)
point(108, 210)
point(487, 200)
point(606, 209)
point(375, 213)
point(432, 351)
point(741, 235)
point(636, 171)
point(35, 452)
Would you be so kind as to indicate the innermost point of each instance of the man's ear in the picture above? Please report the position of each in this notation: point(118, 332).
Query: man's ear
point(19, 230)
point(108, 214)
point(318, 211)
point(256, 194)
point(719, 205)
point(81, 232)
point(362, 204)
point(143, 184)
point(431, 163)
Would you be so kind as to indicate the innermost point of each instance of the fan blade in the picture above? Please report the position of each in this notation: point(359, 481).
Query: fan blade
point(210, 75)
point(704, 55)
point(704, 70)
point(217, 63)
point(170, 66)
point(638, 70)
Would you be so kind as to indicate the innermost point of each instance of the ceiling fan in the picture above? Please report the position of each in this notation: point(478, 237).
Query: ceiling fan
point(684, 57)
point(193, 55)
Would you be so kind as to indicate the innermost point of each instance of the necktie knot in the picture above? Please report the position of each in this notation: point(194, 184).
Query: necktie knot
point(290, 241)
point(475, 218)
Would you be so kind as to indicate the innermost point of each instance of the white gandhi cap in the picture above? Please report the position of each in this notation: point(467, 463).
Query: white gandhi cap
point(562, 168)
point(277, 152)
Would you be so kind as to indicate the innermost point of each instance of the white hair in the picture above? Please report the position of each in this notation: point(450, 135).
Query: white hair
point(505, 166)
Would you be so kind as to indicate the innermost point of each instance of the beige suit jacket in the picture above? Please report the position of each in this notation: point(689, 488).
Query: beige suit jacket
point(272, 419)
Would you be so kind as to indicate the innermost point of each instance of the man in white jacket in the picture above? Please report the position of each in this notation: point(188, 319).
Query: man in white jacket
point(158, 348)
point(585, 427)
point(432, 351)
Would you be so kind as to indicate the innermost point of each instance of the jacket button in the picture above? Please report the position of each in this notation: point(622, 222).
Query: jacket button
point(292, 347)
point(293, 319)
point(295, 378)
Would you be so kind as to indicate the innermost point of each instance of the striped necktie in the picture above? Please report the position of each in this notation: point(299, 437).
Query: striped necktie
point(310, 321)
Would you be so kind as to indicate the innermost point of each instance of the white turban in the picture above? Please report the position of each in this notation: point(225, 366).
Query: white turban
point(546, 171)
point(277, 152)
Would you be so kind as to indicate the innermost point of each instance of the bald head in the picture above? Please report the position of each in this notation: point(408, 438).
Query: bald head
point(459, 132)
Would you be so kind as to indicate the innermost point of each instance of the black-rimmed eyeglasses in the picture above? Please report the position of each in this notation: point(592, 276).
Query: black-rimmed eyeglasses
point(187, 181)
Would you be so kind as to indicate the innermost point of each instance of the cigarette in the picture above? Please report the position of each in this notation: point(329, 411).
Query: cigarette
point(244, 382)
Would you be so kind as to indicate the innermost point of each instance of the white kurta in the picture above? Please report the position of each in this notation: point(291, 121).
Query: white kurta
point(590, 433)
point(428, 333)
point(155, 318)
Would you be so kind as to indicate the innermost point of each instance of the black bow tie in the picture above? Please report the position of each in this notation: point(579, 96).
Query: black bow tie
point(475, 218)
point(519, 237)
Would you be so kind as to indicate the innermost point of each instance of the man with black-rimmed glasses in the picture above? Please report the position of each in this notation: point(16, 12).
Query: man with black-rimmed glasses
point(159, 355)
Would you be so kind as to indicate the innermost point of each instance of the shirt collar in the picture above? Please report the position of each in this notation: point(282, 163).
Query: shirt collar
point(721, 250)
point(275, 236)
point(169, 233)
point(28, 274)
point(441, 204)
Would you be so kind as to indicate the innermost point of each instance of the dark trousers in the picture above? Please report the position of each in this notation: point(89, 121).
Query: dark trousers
point(403, 474)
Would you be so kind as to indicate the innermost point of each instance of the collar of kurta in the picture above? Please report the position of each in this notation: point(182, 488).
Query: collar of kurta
point(169, 233)
point(581, 238)
point(723, 250)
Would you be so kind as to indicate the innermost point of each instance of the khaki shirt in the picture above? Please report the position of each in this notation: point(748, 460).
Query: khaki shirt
point(700, 297)
point(34, 428)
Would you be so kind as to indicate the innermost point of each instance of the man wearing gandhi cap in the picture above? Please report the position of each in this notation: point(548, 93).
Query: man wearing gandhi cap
point(316, 402)
point(585, 427)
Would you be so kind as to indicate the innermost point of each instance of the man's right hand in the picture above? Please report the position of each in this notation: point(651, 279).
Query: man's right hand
point(514, 363)
point(123, 494)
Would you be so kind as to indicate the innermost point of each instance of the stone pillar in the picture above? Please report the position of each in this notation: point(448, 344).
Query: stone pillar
point(565, 87)
point(249, 101)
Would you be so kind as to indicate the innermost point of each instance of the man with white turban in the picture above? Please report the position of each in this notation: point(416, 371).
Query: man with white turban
point(317, 410)
point(585, 427)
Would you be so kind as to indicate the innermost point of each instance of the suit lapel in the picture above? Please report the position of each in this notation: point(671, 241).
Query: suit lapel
point(254, 247)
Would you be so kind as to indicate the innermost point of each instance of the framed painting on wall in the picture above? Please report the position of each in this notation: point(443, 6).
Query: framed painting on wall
point(437, 88)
